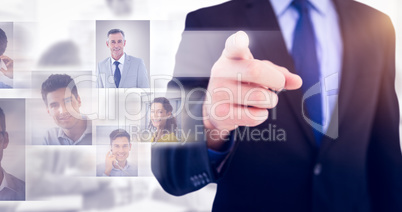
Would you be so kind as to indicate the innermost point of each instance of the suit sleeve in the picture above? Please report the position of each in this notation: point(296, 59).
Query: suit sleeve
point(184, 167)
point(45, 140)
point(181, 169)
point(142, 79)
point(99, 83)
point(384, 153)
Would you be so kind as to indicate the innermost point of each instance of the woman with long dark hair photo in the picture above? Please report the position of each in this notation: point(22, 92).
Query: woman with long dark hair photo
point(162, 122)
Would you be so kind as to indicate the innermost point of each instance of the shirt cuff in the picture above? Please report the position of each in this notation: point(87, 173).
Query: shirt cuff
point(216, 157)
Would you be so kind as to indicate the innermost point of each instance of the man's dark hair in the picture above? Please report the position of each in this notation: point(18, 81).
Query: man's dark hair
point(57, 81)
point(3, 41)
point(114, 31)
point(118, 133)
point(2, 120)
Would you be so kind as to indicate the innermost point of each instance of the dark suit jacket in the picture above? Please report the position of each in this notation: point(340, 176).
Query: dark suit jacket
point(359, 170)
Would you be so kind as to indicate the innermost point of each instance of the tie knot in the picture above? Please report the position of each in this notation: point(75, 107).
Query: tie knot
point(116, 63)
point(300, 5)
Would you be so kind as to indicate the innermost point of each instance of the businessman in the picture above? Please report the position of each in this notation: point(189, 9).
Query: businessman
point(60, 95)
point(11, 188)
point(339, 145)
point(121, 70)
point(116, 163)
point(6, 63)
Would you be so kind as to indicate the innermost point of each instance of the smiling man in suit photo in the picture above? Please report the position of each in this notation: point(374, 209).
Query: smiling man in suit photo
point(121, 70)
point(339, 147)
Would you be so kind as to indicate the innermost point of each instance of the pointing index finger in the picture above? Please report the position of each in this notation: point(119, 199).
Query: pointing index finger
point(236, 47)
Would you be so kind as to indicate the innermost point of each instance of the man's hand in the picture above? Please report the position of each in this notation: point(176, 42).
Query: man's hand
point(10, 66)
point(109, 162)
point(241, 89)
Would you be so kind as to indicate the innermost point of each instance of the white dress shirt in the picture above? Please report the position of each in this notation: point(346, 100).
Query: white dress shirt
point(328, 43)
point(121, 65)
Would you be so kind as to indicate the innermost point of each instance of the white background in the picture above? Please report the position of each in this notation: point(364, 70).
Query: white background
point(40, 23)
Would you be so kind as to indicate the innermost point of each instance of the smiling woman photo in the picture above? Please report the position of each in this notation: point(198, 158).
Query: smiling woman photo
point(162, 122)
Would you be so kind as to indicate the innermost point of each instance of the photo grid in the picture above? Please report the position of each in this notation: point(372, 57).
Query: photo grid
point(82, 100)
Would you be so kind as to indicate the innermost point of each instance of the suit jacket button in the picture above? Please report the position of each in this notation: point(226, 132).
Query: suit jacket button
point(201, 179)
point(317, 169)
point(205, 177)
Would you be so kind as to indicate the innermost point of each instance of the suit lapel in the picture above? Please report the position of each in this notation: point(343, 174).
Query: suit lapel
point(269, 44)
point(349, 74)
point(126, 68)
point(260, 15)
point(109, 73)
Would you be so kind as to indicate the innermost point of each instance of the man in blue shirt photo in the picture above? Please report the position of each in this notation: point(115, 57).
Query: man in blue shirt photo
point(60, 95)
point(116, 163)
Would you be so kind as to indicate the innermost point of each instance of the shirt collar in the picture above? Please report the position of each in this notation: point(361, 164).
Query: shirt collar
point(121, 60)
point(61, 133)
point(89, 127)
point(4, 181)
point(280, 6)
point(88, 130)
point(7, 182)
point(124, 168)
